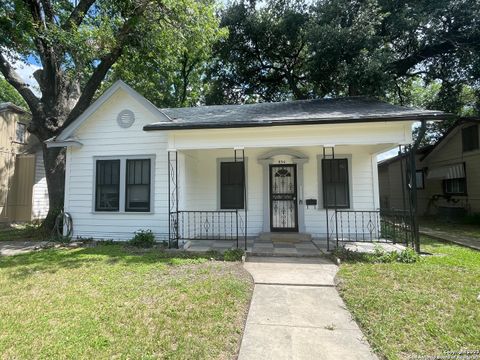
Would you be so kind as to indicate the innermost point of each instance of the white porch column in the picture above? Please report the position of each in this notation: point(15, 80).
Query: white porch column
point(266, 192)
point(300, 196)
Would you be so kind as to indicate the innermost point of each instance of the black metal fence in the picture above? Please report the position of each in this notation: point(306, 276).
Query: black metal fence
point(208, 225)
point(369, 226)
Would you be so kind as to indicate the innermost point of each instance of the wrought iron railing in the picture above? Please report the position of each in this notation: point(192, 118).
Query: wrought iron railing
point(207, 225)
point(369, 226)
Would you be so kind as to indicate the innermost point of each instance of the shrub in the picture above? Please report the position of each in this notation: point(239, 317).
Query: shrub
point(408, 256)
point(379, 255)
point(143, 238)
point(233, 255)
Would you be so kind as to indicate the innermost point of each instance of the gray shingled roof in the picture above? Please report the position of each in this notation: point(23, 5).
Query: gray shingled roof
point(321, 111)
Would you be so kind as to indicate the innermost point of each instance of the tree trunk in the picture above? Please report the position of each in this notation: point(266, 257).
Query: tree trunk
point(54, 161)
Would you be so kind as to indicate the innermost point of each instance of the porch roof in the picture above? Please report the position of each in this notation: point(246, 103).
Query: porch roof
point(355, 109)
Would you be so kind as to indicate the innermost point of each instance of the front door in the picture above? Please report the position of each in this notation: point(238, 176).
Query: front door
point(283, 198)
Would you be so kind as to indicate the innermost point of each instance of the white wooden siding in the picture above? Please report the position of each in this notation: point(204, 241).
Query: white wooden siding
point(40, 190)
point(198, 181)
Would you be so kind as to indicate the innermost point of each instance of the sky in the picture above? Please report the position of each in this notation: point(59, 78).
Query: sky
point(26, 70)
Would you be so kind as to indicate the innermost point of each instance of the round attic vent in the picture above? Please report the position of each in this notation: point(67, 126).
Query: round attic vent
point(125, 118)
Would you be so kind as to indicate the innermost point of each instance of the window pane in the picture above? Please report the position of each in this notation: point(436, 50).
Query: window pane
point(470, 138)
point(20, 133)
point(455, 186)
point(419, 179)
point(231, 187)
point(335, 183)
point(138, 185)
point(107, 185)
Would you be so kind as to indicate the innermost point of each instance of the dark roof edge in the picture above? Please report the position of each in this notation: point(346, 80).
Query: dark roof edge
point(421, 151)
point(460, 121)
point(11, 106)
point(314, 121)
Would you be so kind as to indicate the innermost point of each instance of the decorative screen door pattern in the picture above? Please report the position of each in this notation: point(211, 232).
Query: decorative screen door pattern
point(283, 198)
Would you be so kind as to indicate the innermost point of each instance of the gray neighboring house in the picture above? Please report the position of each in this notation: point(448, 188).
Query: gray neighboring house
point(448, 174)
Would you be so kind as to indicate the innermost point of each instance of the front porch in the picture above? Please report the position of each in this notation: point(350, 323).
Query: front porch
point(282, 192)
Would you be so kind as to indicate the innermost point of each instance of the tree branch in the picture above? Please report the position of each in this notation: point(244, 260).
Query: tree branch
point(103, 67)
point(78, 14)
point(17, 82)
point(401, 67)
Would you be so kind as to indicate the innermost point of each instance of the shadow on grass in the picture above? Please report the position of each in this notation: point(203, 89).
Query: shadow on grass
point(52, 260)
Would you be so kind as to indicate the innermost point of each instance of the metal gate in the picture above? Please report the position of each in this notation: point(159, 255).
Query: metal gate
point(283, 198)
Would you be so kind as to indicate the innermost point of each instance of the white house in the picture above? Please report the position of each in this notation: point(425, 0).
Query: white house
point(133, 166)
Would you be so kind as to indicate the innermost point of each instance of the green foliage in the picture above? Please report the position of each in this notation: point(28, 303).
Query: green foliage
point(143, 239)
point(405, 52)
point(169, 67)
point(408, 256)
point(9, 94)
point(233, 255)
point(379, 255)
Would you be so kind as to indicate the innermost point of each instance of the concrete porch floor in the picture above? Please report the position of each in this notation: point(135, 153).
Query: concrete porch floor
point(308, 248)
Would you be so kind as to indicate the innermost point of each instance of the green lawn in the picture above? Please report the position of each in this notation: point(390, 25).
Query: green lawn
point(424, 308)
point(468, 230)
point(112, 302)
point(21, 232)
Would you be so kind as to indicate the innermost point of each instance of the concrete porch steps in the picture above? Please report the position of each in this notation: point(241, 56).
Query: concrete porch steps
point(285, 237)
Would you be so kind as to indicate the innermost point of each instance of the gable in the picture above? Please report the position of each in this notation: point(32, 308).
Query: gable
point(119, 96)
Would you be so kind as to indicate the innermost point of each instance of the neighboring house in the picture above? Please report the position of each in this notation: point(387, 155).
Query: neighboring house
point(448, 174)
point(23, 187)
point(179, 172)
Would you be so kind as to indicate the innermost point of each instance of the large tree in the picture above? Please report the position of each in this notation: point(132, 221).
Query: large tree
point(76, 44)
point(293, 49)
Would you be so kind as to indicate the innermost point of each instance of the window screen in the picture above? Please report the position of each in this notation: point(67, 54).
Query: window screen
point(138, 185)
point(335, 183)
point(231, 185)
point(107, 185)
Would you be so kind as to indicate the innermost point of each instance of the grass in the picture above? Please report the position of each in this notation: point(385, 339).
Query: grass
point(425, 308)
point(115, 302)
point(461, 229)
point(22, 232)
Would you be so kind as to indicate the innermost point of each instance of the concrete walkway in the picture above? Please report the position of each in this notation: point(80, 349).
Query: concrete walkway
point(8, 248)
point(473, 243)
point(296, 313)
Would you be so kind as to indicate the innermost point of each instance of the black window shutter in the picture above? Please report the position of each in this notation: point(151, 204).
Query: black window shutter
point(231, 185)
point(335, 183)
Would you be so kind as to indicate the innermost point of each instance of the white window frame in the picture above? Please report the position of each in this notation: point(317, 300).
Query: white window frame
point(24, 141)
point(123, 172)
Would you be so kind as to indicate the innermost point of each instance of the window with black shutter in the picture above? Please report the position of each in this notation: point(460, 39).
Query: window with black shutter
point(470, 138)
point(335, 183)
point(107, 192)
point(137, 185)
point(231, 185)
